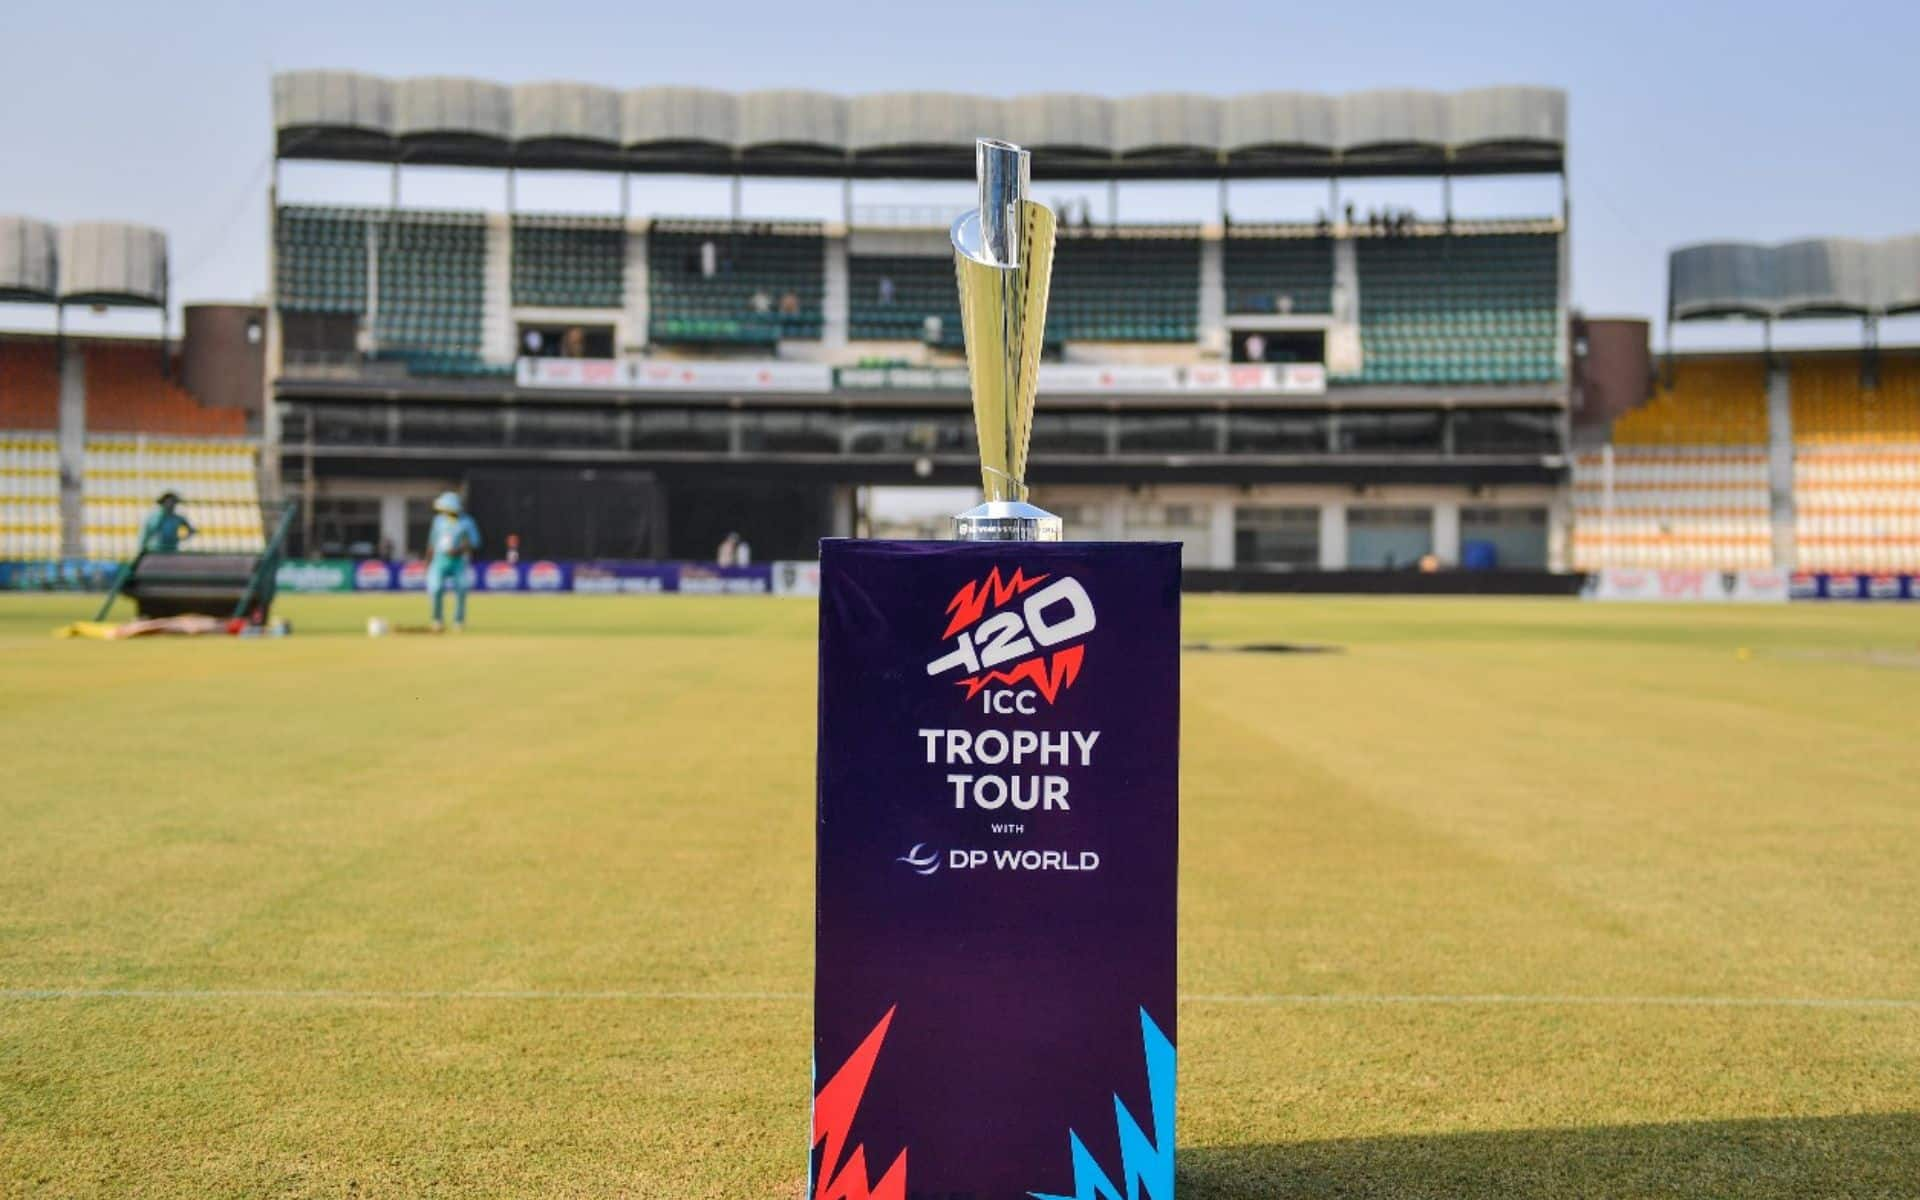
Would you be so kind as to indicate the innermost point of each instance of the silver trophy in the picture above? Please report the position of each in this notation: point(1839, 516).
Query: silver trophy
point(1003, 253)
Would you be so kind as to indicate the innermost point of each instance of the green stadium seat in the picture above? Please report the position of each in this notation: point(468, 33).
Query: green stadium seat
point(432, 279)
point(1466, 309)
point(1279, 274)
point(569, 262)
point(690, 306)
point(1124, 288)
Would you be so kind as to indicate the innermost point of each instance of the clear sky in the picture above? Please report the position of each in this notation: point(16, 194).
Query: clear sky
point(1689, 121)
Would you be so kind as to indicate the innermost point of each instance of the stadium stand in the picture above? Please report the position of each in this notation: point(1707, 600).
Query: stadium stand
point(1467, 309)
point(1138, 284)
point(853, 333)
point(29, 384)
point(433, 291)
point(1856, 466)
point(321, 259)
point(921, 287)
point(1689, 477)
point(29, 496)
point(215, 479)
point(719, 283)
point(124, 473)
point(1269, 273)
point(431, 279)
point(127, 393)
point(569, 262)
point(144, 434)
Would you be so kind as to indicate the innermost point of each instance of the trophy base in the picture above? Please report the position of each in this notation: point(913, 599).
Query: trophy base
point(1007, 521)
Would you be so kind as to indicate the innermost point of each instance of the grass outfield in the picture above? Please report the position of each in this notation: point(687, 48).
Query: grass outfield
point(1512, 898)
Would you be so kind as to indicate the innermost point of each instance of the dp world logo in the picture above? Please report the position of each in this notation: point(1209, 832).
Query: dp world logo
point(1012, 630)
point(922, 860)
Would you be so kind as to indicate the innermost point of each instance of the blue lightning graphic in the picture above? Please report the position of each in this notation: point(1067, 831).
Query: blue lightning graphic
point(1144, 1164)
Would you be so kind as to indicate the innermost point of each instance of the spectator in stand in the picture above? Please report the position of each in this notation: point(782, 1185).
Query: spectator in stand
point(886, 289)
point(760, 301)
point(790, 304)
point(165, 529)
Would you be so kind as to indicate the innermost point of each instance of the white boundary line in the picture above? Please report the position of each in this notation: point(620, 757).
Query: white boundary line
point(355, 994)
point(1256, 1000)
point(1361, 999)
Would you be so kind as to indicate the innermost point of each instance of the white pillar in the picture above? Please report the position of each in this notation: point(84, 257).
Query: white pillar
point(1333, 536)
point(72, 443)
point(1220, 532)
point(1446, 532)
point(836, 302)
point(499, 343)
point(1213, 293)
point(393, 523)
point(635, 284)
point(1343, 336)
point(269, 467)
point(1780, 509)
point(1559, 527)
point(372, 318)
point(845, 502)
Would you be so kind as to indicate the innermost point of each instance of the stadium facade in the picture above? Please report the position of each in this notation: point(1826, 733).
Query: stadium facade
point(1332, 394)
point(1317, 403)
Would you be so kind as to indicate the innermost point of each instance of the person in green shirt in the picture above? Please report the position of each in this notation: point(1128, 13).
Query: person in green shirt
point(165, 529)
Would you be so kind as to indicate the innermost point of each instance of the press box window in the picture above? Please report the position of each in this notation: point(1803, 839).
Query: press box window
point(1279, 346)
point(1277, 536)
point(566, 341)
point(1511, 538)
point(1388, 538)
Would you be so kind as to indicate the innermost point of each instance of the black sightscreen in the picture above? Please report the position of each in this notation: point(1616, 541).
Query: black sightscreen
point(568, 512)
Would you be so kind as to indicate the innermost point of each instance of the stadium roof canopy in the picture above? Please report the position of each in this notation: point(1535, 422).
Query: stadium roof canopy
point(28, 263)
point(1818, 277)
point(343, 115)
point(88, 262)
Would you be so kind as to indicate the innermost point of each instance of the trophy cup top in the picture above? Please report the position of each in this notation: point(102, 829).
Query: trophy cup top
point(991, 234)
point(1003, 256)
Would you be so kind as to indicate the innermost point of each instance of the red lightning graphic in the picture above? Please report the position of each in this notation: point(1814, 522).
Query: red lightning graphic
point(833, 1112)
point(969, 604)
point(1047, 675)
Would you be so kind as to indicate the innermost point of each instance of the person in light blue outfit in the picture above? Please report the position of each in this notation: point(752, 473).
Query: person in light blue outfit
point(451, 542)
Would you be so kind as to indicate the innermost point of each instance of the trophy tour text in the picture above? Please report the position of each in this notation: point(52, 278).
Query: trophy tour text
point(1020, 747)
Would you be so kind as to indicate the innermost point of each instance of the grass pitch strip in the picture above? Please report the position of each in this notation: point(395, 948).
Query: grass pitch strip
point(1507, 898)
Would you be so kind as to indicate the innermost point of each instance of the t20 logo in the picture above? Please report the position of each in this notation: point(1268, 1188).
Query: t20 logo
point(1017, 643)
